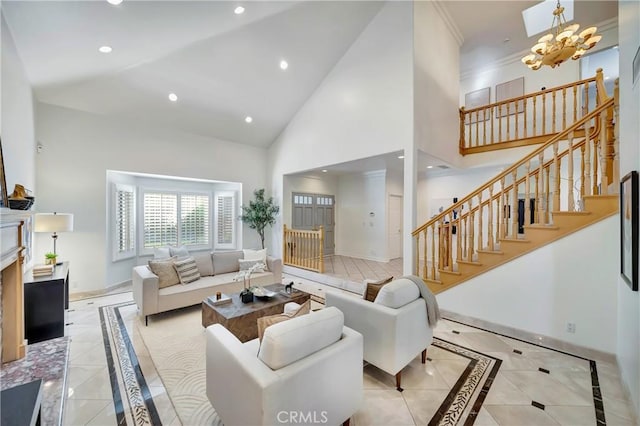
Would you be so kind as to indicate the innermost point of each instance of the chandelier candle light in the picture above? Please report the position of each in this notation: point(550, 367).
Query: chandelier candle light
point(561, 43)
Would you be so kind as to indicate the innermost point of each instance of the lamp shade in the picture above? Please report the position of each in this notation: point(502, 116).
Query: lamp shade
point(53, 222)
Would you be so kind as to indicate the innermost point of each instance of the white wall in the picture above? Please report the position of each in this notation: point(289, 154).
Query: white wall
point(628, 322)
point(80, 147)
point(436, 84)
point(17, 122)
point(363, 108)
point(361, 224)
point(541, 291)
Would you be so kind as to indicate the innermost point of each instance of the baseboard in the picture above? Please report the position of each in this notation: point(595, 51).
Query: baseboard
point(100, 292)
point(533, 338)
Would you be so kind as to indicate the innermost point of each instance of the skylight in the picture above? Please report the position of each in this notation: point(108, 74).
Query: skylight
point(537, 19)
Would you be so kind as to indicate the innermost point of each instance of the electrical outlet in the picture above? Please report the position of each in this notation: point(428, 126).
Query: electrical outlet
point(571, 327)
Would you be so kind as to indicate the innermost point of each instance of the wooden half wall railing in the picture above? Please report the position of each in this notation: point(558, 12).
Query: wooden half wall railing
point(554, 177)
point(529, 119)
point(303, 248)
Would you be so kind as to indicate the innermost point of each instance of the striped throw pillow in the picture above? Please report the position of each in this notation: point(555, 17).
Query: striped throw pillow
point(187, 270)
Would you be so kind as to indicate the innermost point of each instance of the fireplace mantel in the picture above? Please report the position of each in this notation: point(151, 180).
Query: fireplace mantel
point(12, 343)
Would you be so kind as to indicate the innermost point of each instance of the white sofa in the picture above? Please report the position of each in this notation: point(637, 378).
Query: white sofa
point(394, 326)
point(308, 370)
point(151, 299)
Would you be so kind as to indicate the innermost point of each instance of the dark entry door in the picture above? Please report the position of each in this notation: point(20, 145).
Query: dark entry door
point(310, 211)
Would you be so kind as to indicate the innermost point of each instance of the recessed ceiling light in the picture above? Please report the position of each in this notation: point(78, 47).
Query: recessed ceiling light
point(114, 2)
point(248, 119)
point(105, 49)
point(238, 10)
point(324, 170)
point(284, 65)
point(173, 97)
point(615, 47)
point(401, 156)
point(429, 167)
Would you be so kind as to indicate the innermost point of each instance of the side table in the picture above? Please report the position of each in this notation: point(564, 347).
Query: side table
point(45, 299)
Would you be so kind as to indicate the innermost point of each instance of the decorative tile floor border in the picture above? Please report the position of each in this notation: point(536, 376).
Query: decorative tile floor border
point(131, 396)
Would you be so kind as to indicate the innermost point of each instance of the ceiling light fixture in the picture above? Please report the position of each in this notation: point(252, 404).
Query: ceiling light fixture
point(561, 43)
point(248, 119)
point(429, 167)
point(324, 170)
point(173, 97)
point(400, 157)
point(238, 10)
point(105, 49)
point(114, 2)
point(284, 65)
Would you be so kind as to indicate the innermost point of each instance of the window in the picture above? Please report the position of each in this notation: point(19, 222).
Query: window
point(225, 220)
point(174, 219)
point(124, 244)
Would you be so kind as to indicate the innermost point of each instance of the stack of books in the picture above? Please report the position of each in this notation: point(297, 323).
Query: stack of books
point(42, 270)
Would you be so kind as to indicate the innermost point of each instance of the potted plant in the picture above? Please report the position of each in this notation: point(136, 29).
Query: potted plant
point(260, 213)
point(50, 258)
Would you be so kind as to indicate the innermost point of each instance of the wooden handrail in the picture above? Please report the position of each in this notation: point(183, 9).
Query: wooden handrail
point(303, 248)
point(509, 171)
point(528, 119)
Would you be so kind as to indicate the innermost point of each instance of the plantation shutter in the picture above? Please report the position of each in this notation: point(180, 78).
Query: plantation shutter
point(225, 220)
point(124, 244)
point(194, 220)
point(160, 219)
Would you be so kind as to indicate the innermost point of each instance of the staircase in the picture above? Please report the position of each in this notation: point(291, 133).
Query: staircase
point(568, 182)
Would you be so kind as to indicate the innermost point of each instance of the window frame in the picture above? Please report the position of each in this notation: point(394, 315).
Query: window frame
point(131, 252)
point(146, 251)
point(234, 221)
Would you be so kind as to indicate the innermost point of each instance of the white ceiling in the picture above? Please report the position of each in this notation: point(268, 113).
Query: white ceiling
point(224, 66)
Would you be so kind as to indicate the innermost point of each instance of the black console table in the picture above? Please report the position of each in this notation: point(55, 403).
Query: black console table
point(45, 299)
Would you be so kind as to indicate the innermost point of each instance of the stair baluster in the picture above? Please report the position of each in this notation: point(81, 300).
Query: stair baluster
point(541, 205)
point(570, 199)
point(490, 236)
point(514, 205)
point(527, 189)
point(556, 189)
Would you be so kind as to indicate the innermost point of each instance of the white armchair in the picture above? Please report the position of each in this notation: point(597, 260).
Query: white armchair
point(394, 327)
point(307, 370)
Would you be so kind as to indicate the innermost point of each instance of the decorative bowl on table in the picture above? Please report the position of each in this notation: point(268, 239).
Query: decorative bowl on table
point(263, 293)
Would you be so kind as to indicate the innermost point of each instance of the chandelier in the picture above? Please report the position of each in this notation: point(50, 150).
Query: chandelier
point(561, 43)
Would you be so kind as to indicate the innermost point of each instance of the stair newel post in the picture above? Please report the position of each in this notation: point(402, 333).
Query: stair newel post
point(433, 252)
point(564, 107)
point(471, 227)
point(544, 112)
point(556, 180)
point(553, 111)
point(615, 178)
point(480, 238)
point(462, 144)
point(457, 223)
point(501, 213)
point(514, 208)
point(527, 195)
point(490, 233)
point(463, 231)
point(547, 195)
point(539, 189)
point(424, 256)
point(575, 103)
point(535, 115)
point(450, 243)
point(570, 200)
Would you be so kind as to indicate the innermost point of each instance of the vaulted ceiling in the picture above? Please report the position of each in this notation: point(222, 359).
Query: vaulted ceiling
point(222, 66)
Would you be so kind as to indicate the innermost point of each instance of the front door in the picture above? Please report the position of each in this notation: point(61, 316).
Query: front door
point(310, 211)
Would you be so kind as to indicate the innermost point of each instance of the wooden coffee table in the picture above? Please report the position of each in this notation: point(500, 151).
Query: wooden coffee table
point(241, 319)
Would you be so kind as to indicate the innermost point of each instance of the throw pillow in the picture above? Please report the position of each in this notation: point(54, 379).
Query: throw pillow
point(205, 263)
point(267, 321)
point(245, 265)
point(161, 253)
point(255, 255)
point(187, 270)
point(165, 271)
point(181, 252)
point(372, 288)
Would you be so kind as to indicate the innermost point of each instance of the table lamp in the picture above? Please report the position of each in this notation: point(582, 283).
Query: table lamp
point(53, 222)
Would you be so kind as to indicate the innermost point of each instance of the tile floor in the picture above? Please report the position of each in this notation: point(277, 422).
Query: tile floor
point(532, 385)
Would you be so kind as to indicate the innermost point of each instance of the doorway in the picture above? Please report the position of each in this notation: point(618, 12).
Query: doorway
point(310, 211)
point(395, 226)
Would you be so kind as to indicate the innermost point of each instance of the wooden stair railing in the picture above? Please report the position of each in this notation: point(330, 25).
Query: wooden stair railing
point(529, 119)
point(556, 177)
point(304, 249)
